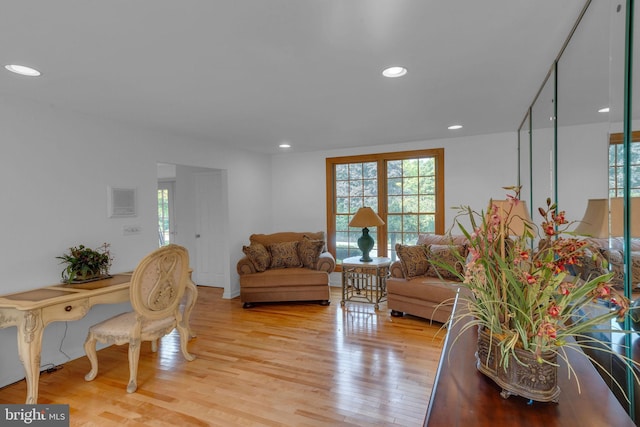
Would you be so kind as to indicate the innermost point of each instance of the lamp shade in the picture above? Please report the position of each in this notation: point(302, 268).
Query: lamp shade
point(617, 216)
point(595, 222)
point(519, 215)
point(366, 217)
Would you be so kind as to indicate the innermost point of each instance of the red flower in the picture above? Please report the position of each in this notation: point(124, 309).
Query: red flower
point(554, 311)
point(549, 230)
point(547, 329)
point(565, 288)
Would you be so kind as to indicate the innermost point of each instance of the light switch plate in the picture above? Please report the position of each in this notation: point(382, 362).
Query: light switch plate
point(128, 230)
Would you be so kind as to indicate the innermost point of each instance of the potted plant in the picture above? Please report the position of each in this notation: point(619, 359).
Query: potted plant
point(85, 264)
point(528, 307)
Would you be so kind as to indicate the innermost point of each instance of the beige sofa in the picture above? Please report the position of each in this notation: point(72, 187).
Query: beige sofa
point(286, 266)
point(418, 287)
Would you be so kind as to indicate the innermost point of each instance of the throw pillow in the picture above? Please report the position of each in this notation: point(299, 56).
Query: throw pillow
point(446, 256)
point(258, 255)
point(413, 260)
point(309, 251)
point(284, 255)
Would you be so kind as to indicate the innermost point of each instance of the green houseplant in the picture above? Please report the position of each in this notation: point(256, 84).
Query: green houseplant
point(525, 299)
point(83, 263)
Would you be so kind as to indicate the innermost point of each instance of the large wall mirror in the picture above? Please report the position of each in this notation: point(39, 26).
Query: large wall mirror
point(580, 143)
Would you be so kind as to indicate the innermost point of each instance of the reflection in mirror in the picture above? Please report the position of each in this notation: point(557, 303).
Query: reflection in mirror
point(542, 145)
point(583, 161)
point(524, 157)
point(582, 131)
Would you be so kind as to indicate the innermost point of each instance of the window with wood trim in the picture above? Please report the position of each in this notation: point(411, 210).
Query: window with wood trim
point(616, 164)
point(406, 189)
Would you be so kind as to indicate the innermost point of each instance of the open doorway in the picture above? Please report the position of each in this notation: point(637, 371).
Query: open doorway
point(166, 215)
point(193, 212)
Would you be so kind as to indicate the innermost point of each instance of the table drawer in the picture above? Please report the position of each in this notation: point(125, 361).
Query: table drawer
point(72, 310)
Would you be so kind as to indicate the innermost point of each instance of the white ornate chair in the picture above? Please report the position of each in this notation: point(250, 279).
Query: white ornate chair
point(157, 288)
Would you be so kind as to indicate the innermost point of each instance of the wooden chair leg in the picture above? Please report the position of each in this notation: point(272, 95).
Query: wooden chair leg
point(184, 339)
point(90, 351)
point(134, 356)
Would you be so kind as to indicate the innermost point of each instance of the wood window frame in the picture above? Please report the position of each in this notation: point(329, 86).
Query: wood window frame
point(381, 159)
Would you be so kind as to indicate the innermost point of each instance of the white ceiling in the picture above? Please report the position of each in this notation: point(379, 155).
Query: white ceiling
point(251, 74)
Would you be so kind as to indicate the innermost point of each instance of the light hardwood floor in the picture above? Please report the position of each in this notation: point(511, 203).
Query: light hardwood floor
point(292, 364)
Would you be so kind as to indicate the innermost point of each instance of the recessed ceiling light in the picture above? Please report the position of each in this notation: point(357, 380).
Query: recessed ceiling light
point(603, 110)
point(23, 70)
point(454, 127)
point(392, 72)
point(285, 145)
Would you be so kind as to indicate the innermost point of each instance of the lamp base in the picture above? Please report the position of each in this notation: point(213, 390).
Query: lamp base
point(365, 243)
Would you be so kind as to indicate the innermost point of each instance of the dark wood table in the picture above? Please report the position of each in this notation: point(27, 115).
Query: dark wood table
point(462, 396)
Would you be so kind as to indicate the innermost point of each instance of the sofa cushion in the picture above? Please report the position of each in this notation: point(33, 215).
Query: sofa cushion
point(309, 251)
point(440, 239)
point(258, 255)
point(635, 268)
point(285, 277)
point(448, 255)
point(284, 255)
point(413, 259)
point(284, 236)
point(424, 289)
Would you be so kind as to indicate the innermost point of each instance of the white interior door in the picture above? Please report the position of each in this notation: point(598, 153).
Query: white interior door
point(209, 223)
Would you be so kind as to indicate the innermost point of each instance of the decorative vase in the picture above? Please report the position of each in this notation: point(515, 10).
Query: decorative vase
point(524, 375)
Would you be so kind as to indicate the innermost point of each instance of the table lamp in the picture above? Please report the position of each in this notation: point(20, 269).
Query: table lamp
point(595, 222)
point(605, 217)
point(365, 217)
point(617, 216)
point(518, 215)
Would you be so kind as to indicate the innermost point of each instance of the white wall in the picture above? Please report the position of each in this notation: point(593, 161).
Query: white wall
point(476, 169)
point(56, 167)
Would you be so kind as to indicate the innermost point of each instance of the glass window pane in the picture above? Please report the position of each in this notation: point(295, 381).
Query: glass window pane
point(427, 185)
point(410, 204)
point(394, 223)
point(342, 222)
point(342, 188)
point(355, 189)
point(427, 203)
point(394, 169)
point(410, 223)
point(342, 172)
point(410, 238)
point(427, 166)
point(370, 187)
point(395, 204)
point(410, 186)
point(356, 203)
point(394, 186)
point(410, 167)
point(372, 202)
point(355, 171)
point(342, 205)
point(370, 170)
point(427, 223)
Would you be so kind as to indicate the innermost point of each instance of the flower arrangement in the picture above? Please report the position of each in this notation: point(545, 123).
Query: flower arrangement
point(522, 293)
point(84, 263)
